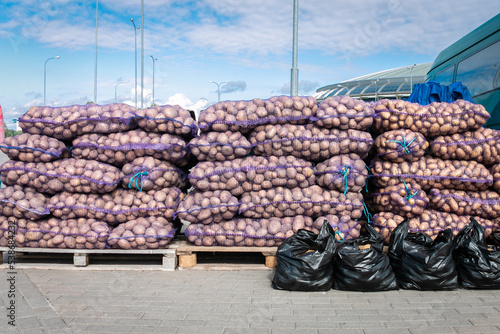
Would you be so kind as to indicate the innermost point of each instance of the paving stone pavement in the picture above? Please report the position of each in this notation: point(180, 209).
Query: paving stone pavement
point(72, 301)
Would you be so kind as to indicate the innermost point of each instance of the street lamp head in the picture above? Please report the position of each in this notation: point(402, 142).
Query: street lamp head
point(57, 57)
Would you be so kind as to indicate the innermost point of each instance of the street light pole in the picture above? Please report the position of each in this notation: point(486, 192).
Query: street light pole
point(154, 78)
point(45, 78)
point(294, 80)
point(95, 56)
point(218, 89)
point(411, 78)
point(142, 54)
point(119, 83)
point(135, 46)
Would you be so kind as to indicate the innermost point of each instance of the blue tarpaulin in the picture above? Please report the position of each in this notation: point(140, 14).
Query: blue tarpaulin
point(432, 91)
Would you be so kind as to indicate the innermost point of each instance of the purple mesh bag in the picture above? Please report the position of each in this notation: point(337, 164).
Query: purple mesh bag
point(34, 148)
point(345, 227)
point(148, 173)
point(407, 200)
point(401, 145)
point(485, 204)
point(20, 202)
point(344, 112)
point(345, 173)
point(219, 146)
point(171, 119)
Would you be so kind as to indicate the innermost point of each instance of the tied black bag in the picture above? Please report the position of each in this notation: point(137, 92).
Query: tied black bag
point(361, 265)
point(305, 261)
point(478, 264)
point(421, 263)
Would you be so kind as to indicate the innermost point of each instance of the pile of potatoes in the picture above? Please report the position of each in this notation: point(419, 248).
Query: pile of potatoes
point(495, 173)
point(431, 172)
point(171, 119)
point(71, 175)
point(207, 207)
point(430, 222)
point(117, 207)
point(7, 231)
point(485, 204)
point(79, 233)
point(121, 148)
point(435, 119)
point(344, 226)
point(248, 232)
point(482, 145)
point(344, 112)
point(72, 121)
point(313, 201)
point(142, 233)
point(22, 202)
point(308, 141)
point(341, 170)
point(242, 116)
point(401, 145)
point(252, 173)
point(407, 201)
point(148, 173)
point(34, 148)
point(219, 146)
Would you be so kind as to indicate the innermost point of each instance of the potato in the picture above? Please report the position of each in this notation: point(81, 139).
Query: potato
point(208, 207)
point(340, 171)
point(485, 204)
point(401, 145)
point(431, 172)
point(34, 148)
point(344, 226)
point(121, 148)
point(219, 146)
point(344, 112)
point(71, 175)
point(171, 119)
point(148, 173)
point(495, 173)
point(404, 200)
point(248, 232)
point(22, 202)
point(312, 201)
point(435, 119)
point(71, 121)
point(252, 173)
point(242, 116)
point(308, 141)
point(153, 232)
point(119, 206)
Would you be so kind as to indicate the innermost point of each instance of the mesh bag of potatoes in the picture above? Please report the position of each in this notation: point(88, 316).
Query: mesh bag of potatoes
point(435, 119)
point(34, 148)
point(344, 112)
point(219, 146)
point(495, 173)
point(79, 233)
point(485, 204)
point(482, 145)
point(23, 202)
point(430, 222)
point(308, 141)
point(116, 207)
point(207, 207)
point(252, 173)
point(407, 200)
point(431, 172)
point(313, 201)
point(171, 119)
point(248, 232)
point(8, 226)
point(142, 233)
point(344, 226)
point(121, 148)
point(401, 145)
point(72, 121)
point(242, 116)
point(346, 173)
point(148, 173)
point(71, 175)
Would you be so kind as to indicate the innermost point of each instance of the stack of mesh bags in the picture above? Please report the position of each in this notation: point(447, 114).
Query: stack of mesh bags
point(259, 168)
point(121, 177)
point(433, 165)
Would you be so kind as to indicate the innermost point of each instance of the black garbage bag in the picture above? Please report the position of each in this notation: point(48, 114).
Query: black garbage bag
point(421, 263)
point(478, 264)
point(305, 261)
point(361, 265)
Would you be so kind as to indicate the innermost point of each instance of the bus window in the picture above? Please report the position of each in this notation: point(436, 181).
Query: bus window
point(445, 77)
point(479, 71)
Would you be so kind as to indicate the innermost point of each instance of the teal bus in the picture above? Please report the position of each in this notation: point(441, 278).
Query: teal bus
point(474, 60)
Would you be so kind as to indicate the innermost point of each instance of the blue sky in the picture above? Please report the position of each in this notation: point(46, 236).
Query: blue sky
point(245, 42)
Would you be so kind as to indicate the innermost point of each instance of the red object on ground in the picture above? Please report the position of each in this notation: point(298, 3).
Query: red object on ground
point(2, 131)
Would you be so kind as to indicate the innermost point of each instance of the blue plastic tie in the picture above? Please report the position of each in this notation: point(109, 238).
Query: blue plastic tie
point(404, 145)
point(137, 176)
point(368, 215)
point(369, 172)
point(340, 236)
point(408, 193)
point(345, 172)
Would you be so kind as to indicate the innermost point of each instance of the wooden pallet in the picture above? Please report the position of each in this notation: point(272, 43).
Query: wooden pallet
point(187, 256)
